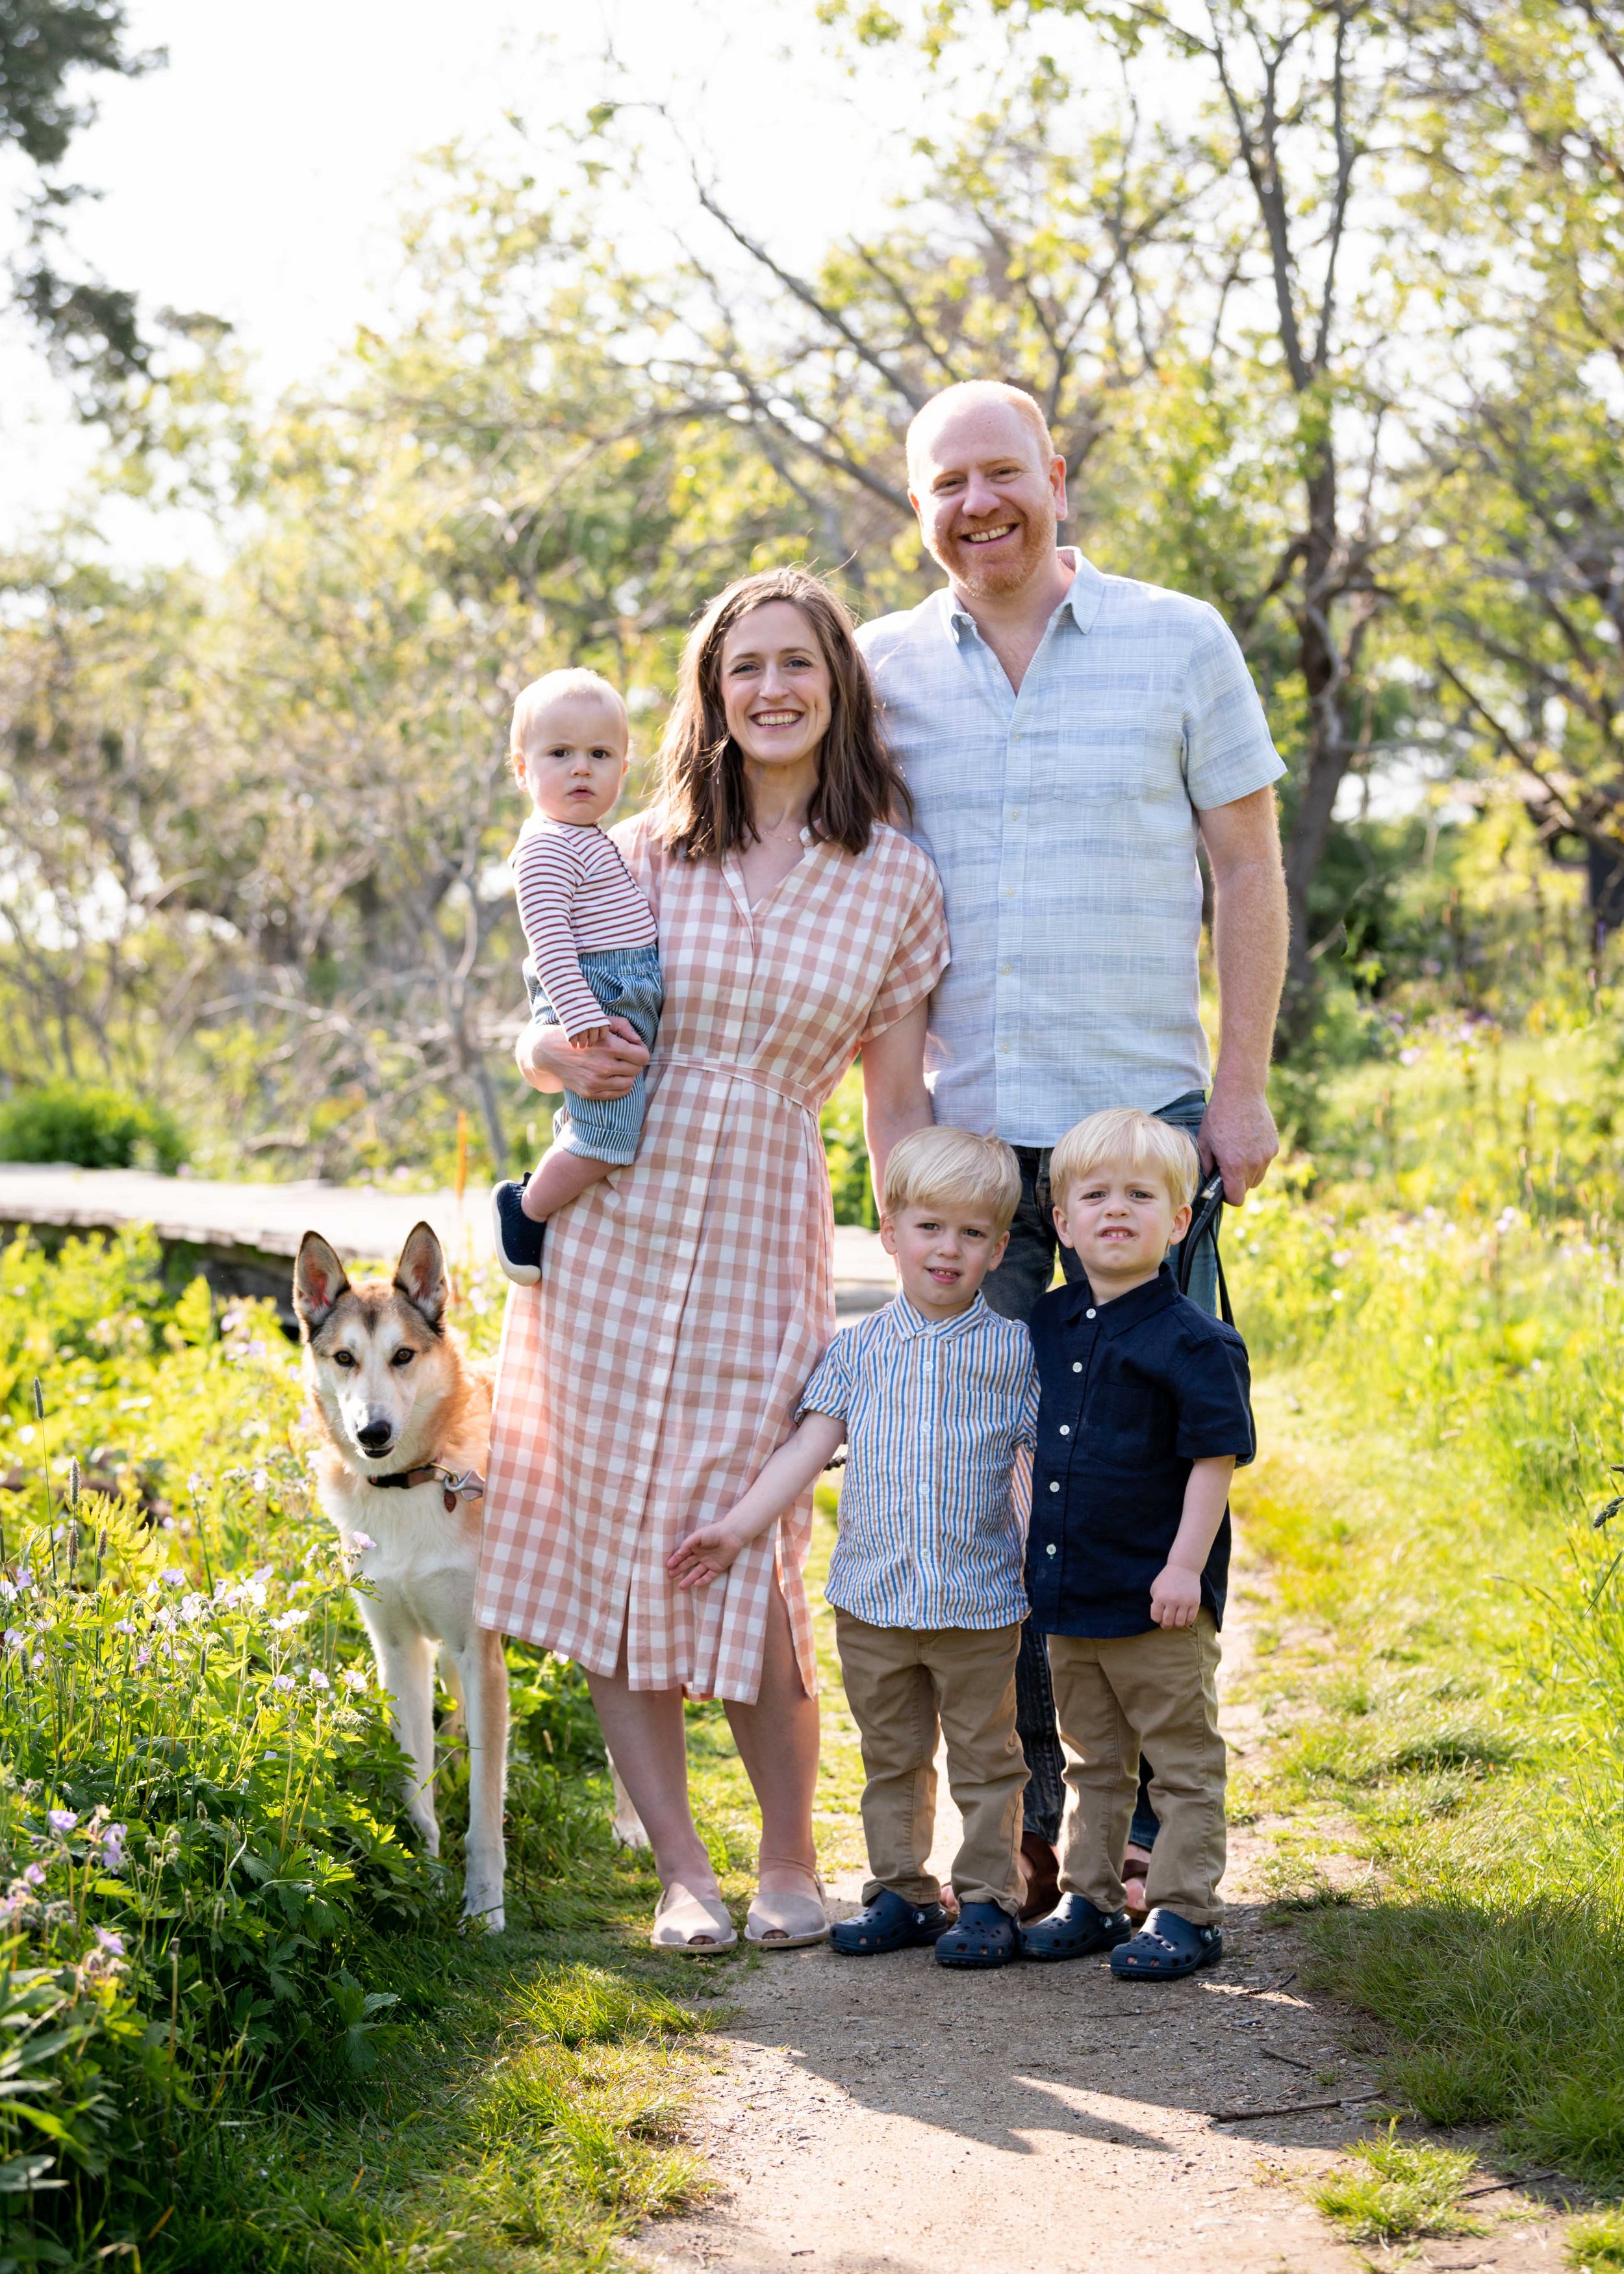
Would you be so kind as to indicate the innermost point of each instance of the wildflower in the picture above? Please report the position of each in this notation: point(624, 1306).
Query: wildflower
point(124, 1626)
point(62, 1820)
point(9, 1905)
point(260, 1480)
point(38, 1661)
point(353, 1678)
point(318, 1680)
point(142, 1655)
point(35, 1873)
point(8, 1593)
point(174, 1577)
point(197, 1484)
point(113, 1943)
point(193, 1607)
point(25, 1579)
point(113, 1847)
point(288, 1621)
point(13, 1639)
point(282, 1681)
point(265, 1571)
point(362, 1540)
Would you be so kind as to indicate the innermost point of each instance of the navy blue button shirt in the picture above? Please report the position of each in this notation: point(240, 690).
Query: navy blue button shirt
point(1131, 1393)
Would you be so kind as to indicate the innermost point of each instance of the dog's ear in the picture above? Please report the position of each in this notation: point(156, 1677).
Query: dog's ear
point(420, 1275)
point(319, 1280)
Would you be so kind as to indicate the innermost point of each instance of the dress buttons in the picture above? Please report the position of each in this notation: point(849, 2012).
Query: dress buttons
point(1077, 1366)
point(1054, 1487)
point(1065, 1428)
point(1090, 1314)
point(1051, 1547)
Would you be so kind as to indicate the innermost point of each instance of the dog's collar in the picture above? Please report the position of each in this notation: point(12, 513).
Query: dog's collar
point(455, 1484)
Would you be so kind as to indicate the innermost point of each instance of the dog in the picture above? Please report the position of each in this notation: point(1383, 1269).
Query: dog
point(396, 1397)
point(404, 1419)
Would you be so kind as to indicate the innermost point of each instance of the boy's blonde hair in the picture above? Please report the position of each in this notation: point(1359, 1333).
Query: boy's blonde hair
point(954, 1168)
point(552, 687)
point(1122, 1137)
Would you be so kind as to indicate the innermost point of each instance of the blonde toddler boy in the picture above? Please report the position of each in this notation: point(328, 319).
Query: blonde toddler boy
point(1143, 1415)
point(591, 938)
point(936, 1399)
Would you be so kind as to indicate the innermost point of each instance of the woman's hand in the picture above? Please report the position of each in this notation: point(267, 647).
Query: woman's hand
point(705, 1554)
point(547, 1060)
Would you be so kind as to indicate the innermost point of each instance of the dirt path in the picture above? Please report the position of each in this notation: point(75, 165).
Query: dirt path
point(892, 2117)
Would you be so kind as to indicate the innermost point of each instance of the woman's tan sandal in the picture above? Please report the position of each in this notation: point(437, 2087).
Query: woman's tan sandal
point(696, 1924)
point(787, 1922)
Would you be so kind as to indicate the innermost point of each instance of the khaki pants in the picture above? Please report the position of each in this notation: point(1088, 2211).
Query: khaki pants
point(1111, 1694)
point(901, 1688)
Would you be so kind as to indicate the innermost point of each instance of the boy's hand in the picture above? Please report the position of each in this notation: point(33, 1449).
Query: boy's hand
point(704, 1554)
point(1175, 1596)
point(589, 1038)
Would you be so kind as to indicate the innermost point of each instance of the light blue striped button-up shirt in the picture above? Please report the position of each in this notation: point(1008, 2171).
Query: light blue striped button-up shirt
point(940, 1423)
point(1064, 822)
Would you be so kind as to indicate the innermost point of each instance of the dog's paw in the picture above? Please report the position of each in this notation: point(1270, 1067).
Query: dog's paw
point(484, 1908)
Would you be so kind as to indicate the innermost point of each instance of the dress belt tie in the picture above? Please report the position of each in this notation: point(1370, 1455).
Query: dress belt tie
point(808, 1099)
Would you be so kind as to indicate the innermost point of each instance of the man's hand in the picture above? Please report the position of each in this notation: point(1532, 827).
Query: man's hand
point(545, 1059)
point(1238, 1136)
point(704, 1554)
point(1175, 1596)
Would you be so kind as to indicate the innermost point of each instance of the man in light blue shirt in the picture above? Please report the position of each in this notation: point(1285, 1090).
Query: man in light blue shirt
point(1068, 737)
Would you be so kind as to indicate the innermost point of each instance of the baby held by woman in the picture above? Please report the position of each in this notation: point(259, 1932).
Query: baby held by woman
point(591, 938)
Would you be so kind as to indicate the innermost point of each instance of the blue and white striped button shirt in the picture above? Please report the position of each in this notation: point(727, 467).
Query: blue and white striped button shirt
point(1064, 822)
point(940, 1423)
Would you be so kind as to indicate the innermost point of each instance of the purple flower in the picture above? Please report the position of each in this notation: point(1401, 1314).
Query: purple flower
point(35, 1873)
point(173, 1577)
point(62, 1820)
point(362, 1540)
point(318, 1680)
point(353, 1678)
point(282, 1681)
point(113, 1847)
point(113, 1943)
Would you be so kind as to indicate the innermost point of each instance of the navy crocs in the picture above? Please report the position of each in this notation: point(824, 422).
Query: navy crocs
point(984, 1936)
point(1074, 1929)
point(887, 1923)
point(1165, 1948)
point(518, 1240)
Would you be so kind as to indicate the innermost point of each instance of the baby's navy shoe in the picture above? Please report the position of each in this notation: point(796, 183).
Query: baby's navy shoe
point(1165, 1948)
point(887, 1923)
point(1074, 1929)
point(518, 1240)
point(984, 1936)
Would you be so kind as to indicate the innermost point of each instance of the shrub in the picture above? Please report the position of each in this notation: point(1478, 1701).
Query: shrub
point(92, 1128)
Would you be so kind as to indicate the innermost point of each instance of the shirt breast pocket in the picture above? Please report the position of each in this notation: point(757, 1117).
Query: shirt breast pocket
point(1131, 1425)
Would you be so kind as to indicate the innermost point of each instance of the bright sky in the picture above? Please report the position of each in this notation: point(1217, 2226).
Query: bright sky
point(259, 177)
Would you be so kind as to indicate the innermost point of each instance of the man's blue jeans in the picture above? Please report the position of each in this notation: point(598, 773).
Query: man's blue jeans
point(1025, 1274)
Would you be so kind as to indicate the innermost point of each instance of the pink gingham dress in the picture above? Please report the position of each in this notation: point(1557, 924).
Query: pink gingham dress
point(685, 1300)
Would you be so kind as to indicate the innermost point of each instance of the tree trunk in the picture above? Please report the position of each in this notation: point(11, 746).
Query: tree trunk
point(1329, 746)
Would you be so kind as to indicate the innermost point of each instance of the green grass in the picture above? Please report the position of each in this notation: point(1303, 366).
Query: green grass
point(247, 2032)
point(1596, 2245)
point(1390, 2191)
point(1435, 1308)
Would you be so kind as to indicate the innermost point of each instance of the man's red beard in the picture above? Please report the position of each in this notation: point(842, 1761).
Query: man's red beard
point(1006, 571)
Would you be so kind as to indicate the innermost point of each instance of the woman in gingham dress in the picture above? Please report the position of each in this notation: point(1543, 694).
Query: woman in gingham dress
point(684, 1302)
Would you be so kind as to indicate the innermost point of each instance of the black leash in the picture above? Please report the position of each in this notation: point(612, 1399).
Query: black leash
point(1208, 1202)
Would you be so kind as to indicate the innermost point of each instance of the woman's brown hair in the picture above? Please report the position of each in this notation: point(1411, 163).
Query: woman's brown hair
point(705, 803)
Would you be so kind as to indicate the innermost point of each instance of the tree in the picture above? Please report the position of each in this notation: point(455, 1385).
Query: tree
point(1524, 599)
point(45, 47)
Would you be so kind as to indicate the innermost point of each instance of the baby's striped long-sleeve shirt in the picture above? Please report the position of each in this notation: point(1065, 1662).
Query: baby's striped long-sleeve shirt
point(575, 896)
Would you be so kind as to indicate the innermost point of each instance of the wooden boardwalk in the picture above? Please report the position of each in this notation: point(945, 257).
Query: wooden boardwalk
point(243, 1237)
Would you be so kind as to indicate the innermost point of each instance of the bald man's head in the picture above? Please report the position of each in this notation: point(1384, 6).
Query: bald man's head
point(989, 491)
point(976, 394)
